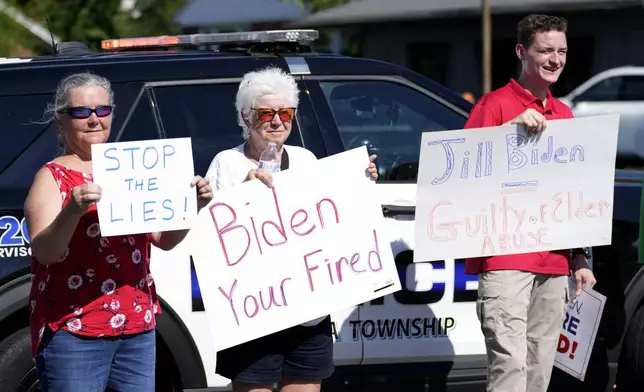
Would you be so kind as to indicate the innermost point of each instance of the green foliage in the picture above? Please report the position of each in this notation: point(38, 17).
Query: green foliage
point(156, 19)
point(317, 5)
point(89, 21)
point(14, 39)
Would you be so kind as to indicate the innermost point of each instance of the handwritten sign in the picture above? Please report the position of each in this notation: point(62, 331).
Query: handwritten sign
point(494, 191)
point(269, 259)
point(146, 186)
point(579, 331)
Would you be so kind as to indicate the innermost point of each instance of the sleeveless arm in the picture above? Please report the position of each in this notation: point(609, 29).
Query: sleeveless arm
point(50, 226)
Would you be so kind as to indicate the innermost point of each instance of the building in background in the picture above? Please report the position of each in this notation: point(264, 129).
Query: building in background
point(220, 16)
point(442, 39)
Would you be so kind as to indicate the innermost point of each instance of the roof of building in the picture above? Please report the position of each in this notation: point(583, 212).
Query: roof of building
point(204, 13)
point(370, 11)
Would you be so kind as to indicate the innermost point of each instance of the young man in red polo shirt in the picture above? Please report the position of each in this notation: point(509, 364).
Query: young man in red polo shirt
point(522, 298)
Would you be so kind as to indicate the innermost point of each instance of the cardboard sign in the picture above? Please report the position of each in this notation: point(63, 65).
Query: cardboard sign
point(579, 331)
point(146, 186)
point(496, 191)
point(271, 258)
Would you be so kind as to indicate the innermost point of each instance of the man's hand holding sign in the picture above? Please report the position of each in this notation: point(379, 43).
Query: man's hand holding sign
point(579, 330)
point(534, 123)
point(547, 192)
point(278, 256)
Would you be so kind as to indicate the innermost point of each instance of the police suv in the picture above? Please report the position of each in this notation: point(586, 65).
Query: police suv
point(425, 337)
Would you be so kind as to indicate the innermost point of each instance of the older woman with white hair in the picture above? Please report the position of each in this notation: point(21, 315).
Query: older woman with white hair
point(298, 358)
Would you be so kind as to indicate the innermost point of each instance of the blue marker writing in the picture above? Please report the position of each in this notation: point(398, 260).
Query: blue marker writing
point(112, 219)
point(449, 158)
point(517, 158)
point(168, 151)
point(167, 205)
point(131, 150)
point(152, 184)
point(118, 164)
point(154, 158)
point(146, 211)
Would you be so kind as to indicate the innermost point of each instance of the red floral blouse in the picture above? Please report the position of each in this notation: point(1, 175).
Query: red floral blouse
point(101, 287)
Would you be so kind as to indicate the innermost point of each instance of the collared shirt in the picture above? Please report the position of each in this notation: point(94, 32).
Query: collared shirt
point(497, 108)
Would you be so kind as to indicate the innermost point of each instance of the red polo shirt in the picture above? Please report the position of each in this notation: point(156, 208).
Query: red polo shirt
point(497, 108)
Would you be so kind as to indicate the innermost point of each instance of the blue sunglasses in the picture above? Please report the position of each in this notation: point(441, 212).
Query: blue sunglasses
point(85, 112)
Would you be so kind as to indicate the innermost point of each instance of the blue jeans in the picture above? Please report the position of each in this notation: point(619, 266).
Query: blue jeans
point(73, 363)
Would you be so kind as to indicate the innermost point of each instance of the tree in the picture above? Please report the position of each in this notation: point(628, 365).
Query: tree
point(91, 21)
point(15, 40)
point(317, 5)
point(156, 17)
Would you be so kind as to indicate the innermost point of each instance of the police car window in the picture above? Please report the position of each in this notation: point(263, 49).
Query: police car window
point(36, 144)
point(16, 180)
point(206, 113)
point(389, 119)
point(19, 116)
point(140, 125)
point(632, 88)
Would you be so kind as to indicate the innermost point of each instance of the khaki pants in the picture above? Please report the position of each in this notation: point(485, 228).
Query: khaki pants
point(521, 316)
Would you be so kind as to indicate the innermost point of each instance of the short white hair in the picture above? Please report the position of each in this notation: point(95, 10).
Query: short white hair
point(256, 84)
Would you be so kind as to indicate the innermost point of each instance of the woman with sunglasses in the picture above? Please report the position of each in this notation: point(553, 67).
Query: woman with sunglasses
point(298, 358)
point(93, 300)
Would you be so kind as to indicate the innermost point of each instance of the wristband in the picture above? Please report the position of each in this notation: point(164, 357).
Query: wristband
point(579, 251)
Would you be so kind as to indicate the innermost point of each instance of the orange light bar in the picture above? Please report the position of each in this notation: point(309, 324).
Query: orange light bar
point(138, 42)
point(301, 36)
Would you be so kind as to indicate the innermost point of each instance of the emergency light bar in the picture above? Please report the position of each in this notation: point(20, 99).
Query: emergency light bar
point(300, 36)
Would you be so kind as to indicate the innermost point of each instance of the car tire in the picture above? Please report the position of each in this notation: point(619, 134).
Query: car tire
point(631, 360)
point(17, 368)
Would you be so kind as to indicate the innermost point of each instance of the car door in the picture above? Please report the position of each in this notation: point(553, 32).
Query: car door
point(623, 94)
point(433, 317)
point(21, 132)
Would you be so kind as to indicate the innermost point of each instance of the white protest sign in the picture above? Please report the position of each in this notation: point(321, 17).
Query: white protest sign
point(493, 191)
point(579, 330)
point(145, 186)
point(269, 259)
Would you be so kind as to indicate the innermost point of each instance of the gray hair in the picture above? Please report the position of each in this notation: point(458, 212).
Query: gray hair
point(254, 85)
point(61, 99)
